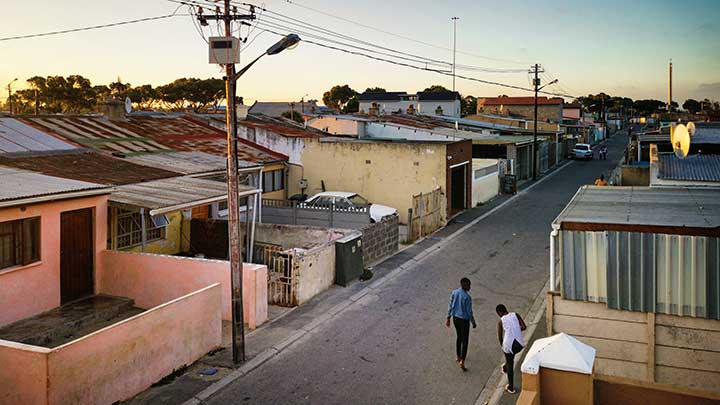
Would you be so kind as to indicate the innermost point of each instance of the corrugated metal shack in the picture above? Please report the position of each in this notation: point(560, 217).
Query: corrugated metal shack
point(642, 249)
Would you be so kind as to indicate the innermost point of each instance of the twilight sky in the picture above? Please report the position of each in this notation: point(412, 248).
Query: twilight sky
point(620, 47)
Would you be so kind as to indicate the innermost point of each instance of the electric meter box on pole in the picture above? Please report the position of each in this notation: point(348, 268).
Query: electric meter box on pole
point(224, 50)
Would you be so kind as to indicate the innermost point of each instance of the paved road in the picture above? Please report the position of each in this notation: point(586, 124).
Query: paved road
point(392, 346)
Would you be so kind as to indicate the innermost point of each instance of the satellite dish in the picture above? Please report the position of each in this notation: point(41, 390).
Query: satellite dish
point(681, 141)
point(691, 128)
point(128, 105)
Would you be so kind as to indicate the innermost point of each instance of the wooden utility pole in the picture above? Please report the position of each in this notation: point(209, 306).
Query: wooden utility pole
point(234, 228)
point(536, 85)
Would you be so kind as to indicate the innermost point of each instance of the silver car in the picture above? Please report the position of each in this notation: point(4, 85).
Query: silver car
point(582, 151)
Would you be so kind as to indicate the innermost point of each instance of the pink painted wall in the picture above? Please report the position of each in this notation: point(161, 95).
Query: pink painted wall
point(29, 290)
point(152, 279)
point(124, 359)
point(23, 374)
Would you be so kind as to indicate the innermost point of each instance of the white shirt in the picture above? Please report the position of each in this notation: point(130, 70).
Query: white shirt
point(511, 326)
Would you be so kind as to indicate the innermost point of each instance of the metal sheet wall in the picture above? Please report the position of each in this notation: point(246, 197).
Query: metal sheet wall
point(672, 274)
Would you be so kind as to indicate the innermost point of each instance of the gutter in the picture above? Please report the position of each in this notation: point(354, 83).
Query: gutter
point(55, 197)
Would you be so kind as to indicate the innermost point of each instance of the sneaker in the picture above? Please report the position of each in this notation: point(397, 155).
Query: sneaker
point(508, 390)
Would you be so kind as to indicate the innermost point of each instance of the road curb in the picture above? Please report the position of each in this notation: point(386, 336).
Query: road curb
point(408, 265)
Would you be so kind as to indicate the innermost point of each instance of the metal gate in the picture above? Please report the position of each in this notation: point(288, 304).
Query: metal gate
point(282, 273)
point(426, 214)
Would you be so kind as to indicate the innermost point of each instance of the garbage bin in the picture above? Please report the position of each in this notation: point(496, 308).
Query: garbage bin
point(348, 258)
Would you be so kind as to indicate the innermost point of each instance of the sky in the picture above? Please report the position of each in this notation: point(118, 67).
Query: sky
point(617, 47)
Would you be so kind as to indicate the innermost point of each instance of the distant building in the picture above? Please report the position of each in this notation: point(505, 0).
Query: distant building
point(445, 103)
point(549, 109)
point(277, 108)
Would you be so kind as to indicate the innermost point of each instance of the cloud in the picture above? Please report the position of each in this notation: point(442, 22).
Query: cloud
point(708, 90)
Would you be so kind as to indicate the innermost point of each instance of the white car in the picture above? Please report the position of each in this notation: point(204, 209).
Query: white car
point(343, 199)
point(582, 151)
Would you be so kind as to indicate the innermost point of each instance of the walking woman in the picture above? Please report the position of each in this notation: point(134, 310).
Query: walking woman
point(510, 327)
point(460, 310)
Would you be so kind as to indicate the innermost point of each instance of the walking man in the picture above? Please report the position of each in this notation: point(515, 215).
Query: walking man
point(460, 310)
point(510, 327)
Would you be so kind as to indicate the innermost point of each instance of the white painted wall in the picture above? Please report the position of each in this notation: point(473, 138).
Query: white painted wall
point(450, 108)
point(484, 187)
point(290, 146)
point(395, 131)
point(388, 107)
point(338, 125)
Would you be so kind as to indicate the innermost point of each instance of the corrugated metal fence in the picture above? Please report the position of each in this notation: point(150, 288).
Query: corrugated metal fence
point(671, 274)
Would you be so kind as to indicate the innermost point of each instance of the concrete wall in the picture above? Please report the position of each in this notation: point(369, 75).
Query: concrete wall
point(635, 175)
point(315, 272)
point(338, 125)
point(449, 108)
point(23, 374)
point(292, 147)
point(124, 359)
point(383, 172)
point(546, 112)
point(679, 351)
point(154, 279)
point(118, 361)
point(386, 130)
point(388, 107)
point(292, 236)
point(380, 239)
point(486, 186)
point(29, 290)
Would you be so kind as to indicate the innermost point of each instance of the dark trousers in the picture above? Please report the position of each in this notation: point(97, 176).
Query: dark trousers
point(462, 329)
point(510, 368)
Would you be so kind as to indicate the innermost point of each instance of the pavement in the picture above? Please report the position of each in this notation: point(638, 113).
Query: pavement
point(383, 340)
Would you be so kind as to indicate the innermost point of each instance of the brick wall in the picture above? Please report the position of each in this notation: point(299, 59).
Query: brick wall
point(380, 239)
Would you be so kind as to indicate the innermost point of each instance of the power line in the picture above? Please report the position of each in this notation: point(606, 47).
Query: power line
point(94, 27)
point(401, 36)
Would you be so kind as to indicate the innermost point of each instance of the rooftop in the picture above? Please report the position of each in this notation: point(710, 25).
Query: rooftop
point(438, 95)
point(182, 162)
point(701, 168)
point(96, 132)
point(382, 96)
point(680, 211)
point(168, 195)
point(520, 101)
point(21, 185)
point(276, 108)
point(87, 166)
point(281, 126)
point(17, 137)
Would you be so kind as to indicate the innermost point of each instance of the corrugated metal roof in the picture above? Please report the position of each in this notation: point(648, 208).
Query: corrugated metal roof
point(188, 135)
point(281, 127)
point(519, 101)
point(96, 132)
point(705, 168)
point(16, 136)
point(86, 166)
point(168, 195)
point(21, 184)
point(703, 135)
point(658, 207)
point(182, 162)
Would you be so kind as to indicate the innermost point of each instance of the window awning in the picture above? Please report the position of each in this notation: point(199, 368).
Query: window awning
point(173, 194)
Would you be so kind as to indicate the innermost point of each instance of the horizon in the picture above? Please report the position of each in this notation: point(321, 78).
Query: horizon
point(601, 60)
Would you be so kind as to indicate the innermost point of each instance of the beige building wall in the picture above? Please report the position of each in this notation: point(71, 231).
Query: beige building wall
point(383, 172)
point(546, 112)
point(655, 348)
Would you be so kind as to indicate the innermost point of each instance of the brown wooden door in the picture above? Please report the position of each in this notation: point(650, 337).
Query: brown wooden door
point(76, 254)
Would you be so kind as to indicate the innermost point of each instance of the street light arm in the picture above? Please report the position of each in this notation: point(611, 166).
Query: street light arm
point(247, 67)
point(547, 84)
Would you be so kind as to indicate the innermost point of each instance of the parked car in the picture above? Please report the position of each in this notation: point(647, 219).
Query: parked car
point(343, 199)
point(582, 151)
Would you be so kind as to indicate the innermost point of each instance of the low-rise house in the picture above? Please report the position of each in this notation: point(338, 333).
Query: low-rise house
point(275, 109)
point(638, 272)
point(445, 103)
point(699, 171)
point(70, 308)
point(549, 109)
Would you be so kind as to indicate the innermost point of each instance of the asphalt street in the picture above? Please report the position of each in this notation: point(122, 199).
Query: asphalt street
point(392, 346)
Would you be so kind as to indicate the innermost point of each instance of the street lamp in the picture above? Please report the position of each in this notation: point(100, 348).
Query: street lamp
point(9, 87)
point(238, 331)
point(534, 159)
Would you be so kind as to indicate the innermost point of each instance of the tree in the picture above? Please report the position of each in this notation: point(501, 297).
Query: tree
point(193, 93)
point(352, 106)
point(57, 94)
point(143, 96)
point(118, 89)
point(294, 115)
point(468, 105)
point(436, 88)
point(375, 90)
point(338, 97)
point(648, 106)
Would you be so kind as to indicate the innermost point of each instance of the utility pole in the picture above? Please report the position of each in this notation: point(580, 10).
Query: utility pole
point(536, 84)
point(669, 103)
point(455, 19)
point(234, 228)
point(10, 100)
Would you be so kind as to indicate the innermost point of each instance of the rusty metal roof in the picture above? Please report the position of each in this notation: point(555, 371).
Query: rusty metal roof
point(96, 132)
point(18, 137)
point(187, 134)
point(86, 166)
point(168, 195)
point(182, 162)
point(22, 185)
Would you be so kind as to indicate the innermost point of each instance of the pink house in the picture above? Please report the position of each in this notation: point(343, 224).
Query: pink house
point(53, 251)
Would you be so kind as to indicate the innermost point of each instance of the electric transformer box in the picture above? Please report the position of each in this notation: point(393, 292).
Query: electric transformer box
point(224, 50)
